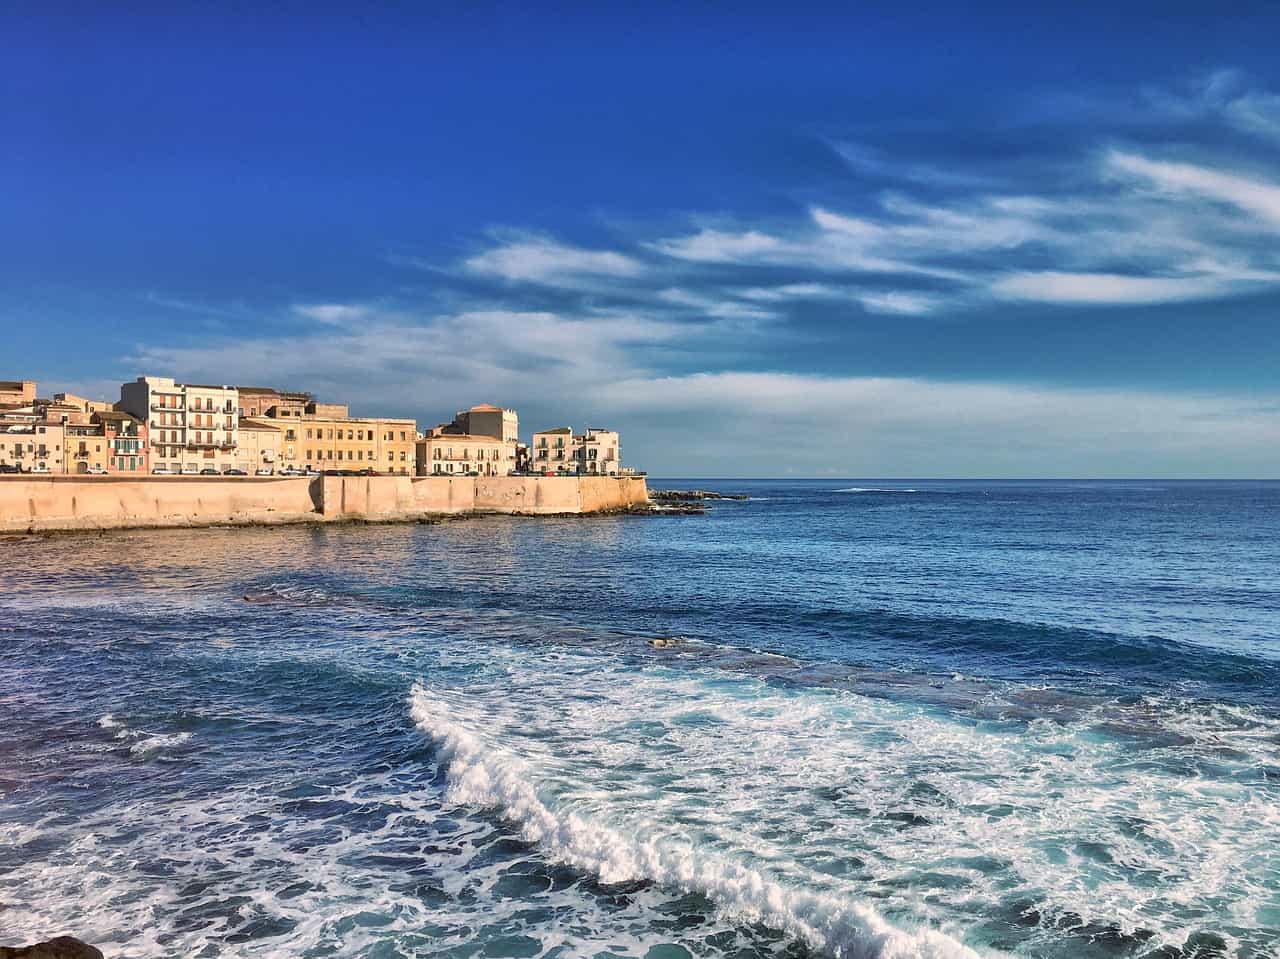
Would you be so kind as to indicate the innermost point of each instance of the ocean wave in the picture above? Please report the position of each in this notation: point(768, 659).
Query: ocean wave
point(480, 774)
point(144, 743)
point(874, 489)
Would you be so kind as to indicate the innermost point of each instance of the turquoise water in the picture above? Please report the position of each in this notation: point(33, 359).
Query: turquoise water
point(891, 719)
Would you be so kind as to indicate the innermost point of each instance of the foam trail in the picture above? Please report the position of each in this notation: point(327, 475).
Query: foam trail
point(481, 775)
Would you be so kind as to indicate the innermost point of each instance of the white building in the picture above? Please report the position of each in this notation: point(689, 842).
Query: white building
point(191, 425)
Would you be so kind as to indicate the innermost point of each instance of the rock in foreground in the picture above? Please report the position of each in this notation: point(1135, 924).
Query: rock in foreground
point(62, 947)
point(689, 495)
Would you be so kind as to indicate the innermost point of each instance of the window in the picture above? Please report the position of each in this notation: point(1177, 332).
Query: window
point(402, 456)
point(349, 436)
point(308, 434)
point(402, 434)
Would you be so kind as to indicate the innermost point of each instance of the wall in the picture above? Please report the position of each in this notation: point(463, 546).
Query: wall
point(110, 502)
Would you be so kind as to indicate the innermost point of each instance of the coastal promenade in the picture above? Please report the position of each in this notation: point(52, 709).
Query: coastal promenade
point(43, 503)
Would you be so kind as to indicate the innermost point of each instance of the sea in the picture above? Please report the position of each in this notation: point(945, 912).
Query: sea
point(864, 719)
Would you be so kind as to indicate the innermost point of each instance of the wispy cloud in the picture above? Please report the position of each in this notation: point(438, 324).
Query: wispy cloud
point(332, 313)
point(1248, 194)
point(535, 259)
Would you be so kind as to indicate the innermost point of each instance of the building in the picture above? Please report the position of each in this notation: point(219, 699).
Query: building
point(262, 444)
point(126, 439)
point(88, 407)
point(462, 453)
point(259, 401)
point(489, 420)
point(328, 438)
point(17, 392)
point(597, 452)
point(552, 450)
point(191, 426)
point(33, 446)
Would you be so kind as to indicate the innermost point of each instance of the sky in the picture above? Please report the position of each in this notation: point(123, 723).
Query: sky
point(1031, 240)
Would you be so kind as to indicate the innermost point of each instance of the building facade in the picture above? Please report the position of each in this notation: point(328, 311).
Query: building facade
point(461, 453)
point(33, 446)
point(262, 445)
point(191, 426)
point(352, 442)
point(597, 452)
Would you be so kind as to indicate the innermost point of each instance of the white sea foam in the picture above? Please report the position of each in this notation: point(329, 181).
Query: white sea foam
point(874, 489)
point(481, 774)
point(153, 744)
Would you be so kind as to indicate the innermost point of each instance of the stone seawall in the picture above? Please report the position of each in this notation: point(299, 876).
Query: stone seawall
point(108, 502)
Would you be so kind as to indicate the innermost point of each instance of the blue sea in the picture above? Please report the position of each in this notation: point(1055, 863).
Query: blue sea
point(839, 718)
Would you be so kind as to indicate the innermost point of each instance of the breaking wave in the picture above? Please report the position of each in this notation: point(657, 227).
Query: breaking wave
point(480, 774)
point(874, 489)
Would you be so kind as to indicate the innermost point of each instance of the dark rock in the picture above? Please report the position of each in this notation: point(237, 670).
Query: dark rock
point(690, 495)
point(63, 947)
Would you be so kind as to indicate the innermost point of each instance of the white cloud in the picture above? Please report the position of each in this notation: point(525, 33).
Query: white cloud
point(904, 304)
point(1106, 288)
point(540, 260)
point(333, 313)
point(1259, 197)
point(717, 246)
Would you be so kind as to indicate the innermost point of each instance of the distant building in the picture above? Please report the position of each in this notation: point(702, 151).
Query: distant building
point(17, 392)
point(79, 402)
point(190, 425)
point(461, 453)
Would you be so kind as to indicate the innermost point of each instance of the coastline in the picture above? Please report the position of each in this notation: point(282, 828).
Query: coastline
point(92, 504)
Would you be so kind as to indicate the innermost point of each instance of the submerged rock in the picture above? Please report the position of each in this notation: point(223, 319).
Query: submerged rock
point(61, 947)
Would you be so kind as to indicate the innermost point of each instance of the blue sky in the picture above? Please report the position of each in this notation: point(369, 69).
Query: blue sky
point(1029, 240)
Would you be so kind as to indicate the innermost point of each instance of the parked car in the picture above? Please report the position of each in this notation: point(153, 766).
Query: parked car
point(40, 468)
point(207, 471)
point(367, 472)
point(265, 471)
point(290, 471)
point(96, 471)
point(190, 469)
point(161, 471)
point(232, 471)
point(10, 468)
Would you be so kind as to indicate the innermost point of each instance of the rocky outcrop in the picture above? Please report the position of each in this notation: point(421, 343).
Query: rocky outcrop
point(63, 947)
point(690, 495)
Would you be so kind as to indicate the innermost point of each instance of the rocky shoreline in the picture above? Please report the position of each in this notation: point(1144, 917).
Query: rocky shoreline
point(61, 947)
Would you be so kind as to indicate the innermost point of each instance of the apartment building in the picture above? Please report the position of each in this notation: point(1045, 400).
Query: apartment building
point(191, 425)
point(552, 450)
point(597, 451)
point(262, 445)
point(443, 454)
point(37, 446)
point(329, 441)
point(126, 440)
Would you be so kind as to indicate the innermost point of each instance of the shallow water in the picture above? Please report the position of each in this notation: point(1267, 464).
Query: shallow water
point(891, 719)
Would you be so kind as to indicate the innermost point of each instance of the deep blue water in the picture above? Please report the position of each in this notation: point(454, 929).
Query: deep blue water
point(891, 718)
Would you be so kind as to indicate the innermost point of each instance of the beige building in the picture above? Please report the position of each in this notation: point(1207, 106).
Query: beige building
point(89, 407)
point(560, 450)
point(262, 445)
point(325, 441)
point(597, 452)
point(552, 450)
point(33, 446)
point(192, 426)
point(17, 392)
point(445, 453)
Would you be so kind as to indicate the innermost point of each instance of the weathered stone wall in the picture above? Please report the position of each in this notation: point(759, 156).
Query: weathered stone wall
point(106, 502)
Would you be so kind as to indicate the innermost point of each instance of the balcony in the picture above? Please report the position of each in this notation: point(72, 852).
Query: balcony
point(167, 409)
